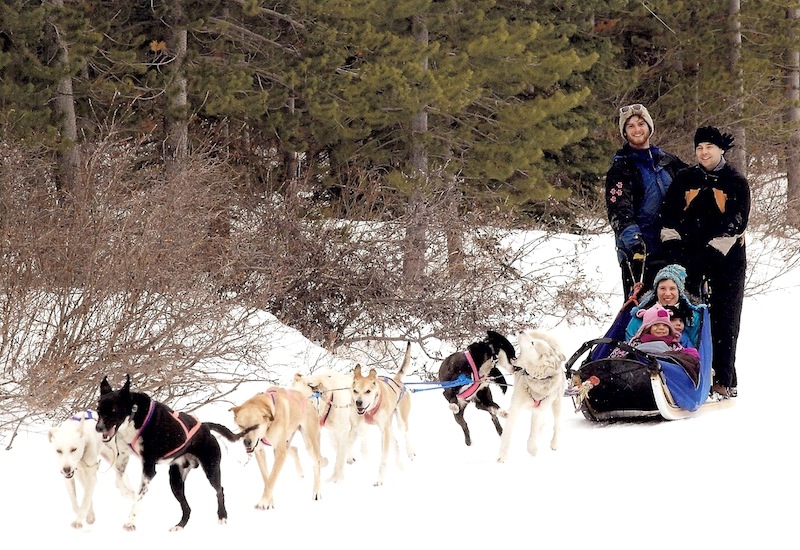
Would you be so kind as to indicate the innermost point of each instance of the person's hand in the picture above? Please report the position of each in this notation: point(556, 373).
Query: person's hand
point(631, 238)
point(722, 245)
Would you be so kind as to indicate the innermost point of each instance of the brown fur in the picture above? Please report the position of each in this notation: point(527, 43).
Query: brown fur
point(376, 401)
point(274, 417)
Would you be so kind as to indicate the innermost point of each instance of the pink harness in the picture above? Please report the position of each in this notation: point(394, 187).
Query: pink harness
point(470, 390)
point(324, 417)
point(301, 400)
point(189, 433)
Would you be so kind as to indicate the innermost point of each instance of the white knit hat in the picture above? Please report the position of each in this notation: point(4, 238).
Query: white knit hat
point(637, 109)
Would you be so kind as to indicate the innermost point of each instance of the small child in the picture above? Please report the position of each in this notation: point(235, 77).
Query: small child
point(678, 322)
point(658, 336)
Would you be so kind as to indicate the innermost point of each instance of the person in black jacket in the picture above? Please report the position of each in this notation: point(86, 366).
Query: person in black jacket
point(704, 218)
point(636, 183)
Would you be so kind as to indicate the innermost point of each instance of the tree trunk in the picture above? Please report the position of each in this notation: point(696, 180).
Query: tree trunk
point(69, 154)
point(416, 233)
point(738, 155)
point(793, 149)
point(176, 143)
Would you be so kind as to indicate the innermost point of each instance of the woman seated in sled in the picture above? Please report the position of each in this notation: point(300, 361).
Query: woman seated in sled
point(658, 337)
point(669, 289)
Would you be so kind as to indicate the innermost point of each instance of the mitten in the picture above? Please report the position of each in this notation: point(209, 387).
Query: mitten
point(722, 244)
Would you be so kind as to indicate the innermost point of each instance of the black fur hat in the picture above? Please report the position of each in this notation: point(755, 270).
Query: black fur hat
point(709, 134)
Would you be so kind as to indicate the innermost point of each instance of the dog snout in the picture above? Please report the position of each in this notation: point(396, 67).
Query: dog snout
point(68, 472)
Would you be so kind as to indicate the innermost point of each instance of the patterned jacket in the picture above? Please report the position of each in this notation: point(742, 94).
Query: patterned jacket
point(635, 188)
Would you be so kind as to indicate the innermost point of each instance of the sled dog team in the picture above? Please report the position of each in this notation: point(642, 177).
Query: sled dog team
point(131, 423)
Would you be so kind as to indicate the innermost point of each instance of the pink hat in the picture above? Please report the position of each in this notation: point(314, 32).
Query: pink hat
point(652, 316)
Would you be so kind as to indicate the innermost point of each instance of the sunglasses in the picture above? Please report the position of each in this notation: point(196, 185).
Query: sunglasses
point(635, 108)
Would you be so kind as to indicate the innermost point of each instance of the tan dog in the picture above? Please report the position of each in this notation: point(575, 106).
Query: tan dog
point(539, 383)
point(272, 418)
point(376, 401)
point(330, 391)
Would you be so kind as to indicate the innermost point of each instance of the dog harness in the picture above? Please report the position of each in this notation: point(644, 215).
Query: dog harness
point(88, 414)
point(470, 390)
point(272, 393)
point(189, 433)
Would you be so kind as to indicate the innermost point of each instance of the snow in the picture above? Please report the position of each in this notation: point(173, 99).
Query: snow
point(722, 478)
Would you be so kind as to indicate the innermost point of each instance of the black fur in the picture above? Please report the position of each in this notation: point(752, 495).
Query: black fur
point(456, 364)
point(164, 435)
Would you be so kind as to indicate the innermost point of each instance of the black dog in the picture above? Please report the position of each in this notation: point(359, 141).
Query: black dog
point(155, 432)
point(481, 359)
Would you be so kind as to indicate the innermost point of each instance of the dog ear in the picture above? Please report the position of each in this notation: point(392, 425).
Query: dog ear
point(105, 387)
point(372, 374)
point(357, 371)
point(298, 377)
point(51, 433)
point(127, 386)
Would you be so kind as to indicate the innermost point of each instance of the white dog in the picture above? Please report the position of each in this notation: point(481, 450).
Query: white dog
point(539, 383)
point(79, 448)
point(331, 392)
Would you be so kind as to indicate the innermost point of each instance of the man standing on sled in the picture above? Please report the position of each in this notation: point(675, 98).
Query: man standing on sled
point(704, 217)
point(636, 183)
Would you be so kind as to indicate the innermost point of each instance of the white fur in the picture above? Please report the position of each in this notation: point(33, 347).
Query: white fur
point(79, 448)
point(334, 406)
point(539, 383)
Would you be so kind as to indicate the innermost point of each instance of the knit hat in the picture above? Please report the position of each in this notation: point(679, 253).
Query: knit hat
point(675, 273)
point(637, 109)
point(654, 315)
point(709, 134)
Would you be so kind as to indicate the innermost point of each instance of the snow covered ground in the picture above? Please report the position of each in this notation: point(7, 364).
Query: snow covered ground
point(723, 478)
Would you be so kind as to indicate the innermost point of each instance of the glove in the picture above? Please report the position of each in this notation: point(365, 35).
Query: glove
point(669, 234)
point(631, 239)
point(722, 244)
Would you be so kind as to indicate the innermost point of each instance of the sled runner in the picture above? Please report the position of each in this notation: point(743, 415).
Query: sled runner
point(640, 385)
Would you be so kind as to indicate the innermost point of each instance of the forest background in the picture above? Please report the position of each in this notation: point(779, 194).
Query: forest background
point(176, 177)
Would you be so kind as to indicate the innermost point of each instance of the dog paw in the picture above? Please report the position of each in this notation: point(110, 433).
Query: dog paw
point(502, 413)
point(77, 524)
point(454, 408)
point(129, 527)
point(265, 506)
point(501, 459)
point(176, 528)
point(533, 449)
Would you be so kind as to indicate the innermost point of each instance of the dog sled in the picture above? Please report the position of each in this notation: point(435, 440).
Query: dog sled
point(640, 385)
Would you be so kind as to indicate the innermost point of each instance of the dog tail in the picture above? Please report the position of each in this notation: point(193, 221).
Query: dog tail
point(406, 363)
point(223, 431)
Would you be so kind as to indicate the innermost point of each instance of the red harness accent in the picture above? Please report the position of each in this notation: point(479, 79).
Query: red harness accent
point(189, 433)
point(472, 388)
point(324, 417)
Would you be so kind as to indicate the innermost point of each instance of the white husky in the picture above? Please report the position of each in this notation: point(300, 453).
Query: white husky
point(539, 383)
point(79, 448)
point(331, 392)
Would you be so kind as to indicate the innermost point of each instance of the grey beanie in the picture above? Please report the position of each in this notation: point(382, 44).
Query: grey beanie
point(637, 109)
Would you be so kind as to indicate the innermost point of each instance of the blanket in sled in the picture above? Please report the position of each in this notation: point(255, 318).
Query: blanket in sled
point(641, 385)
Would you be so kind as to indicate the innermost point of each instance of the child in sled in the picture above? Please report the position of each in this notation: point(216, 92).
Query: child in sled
point(658, 336)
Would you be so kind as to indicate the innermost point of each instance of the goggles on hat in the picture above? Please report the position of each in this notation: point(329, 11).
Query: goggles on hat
point(635, 109)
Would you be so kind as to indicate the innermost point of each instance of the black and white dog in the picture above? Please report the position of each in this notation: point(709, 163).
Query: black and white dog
point(154, 432)
point(479, 364)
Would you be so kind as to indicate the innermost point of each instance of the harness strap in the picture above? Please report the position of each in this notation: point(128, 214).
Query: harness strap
point(470, 390)
point(144, 425)
point(369, 416)
point(324, 417)
point(188, 433)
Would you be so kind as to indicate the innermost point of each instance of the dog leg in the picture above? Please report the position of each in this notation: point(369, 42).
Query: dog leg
point(386, 441)
point(402, 423)
point(296, 458)
point(536, 425)
point(69, 483)
point(121, 480)
point(505, 436)
point(266, 502)
point(311, 438)
point(88, 479)
point(484, 402)
point(178, 471)
point(148, 472)
point(459, 416)
point(556, 420)
point(213, 473)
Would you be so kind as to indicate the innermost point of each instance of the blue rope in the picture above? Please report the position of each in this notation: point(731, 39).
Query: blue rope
point(462, 380)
